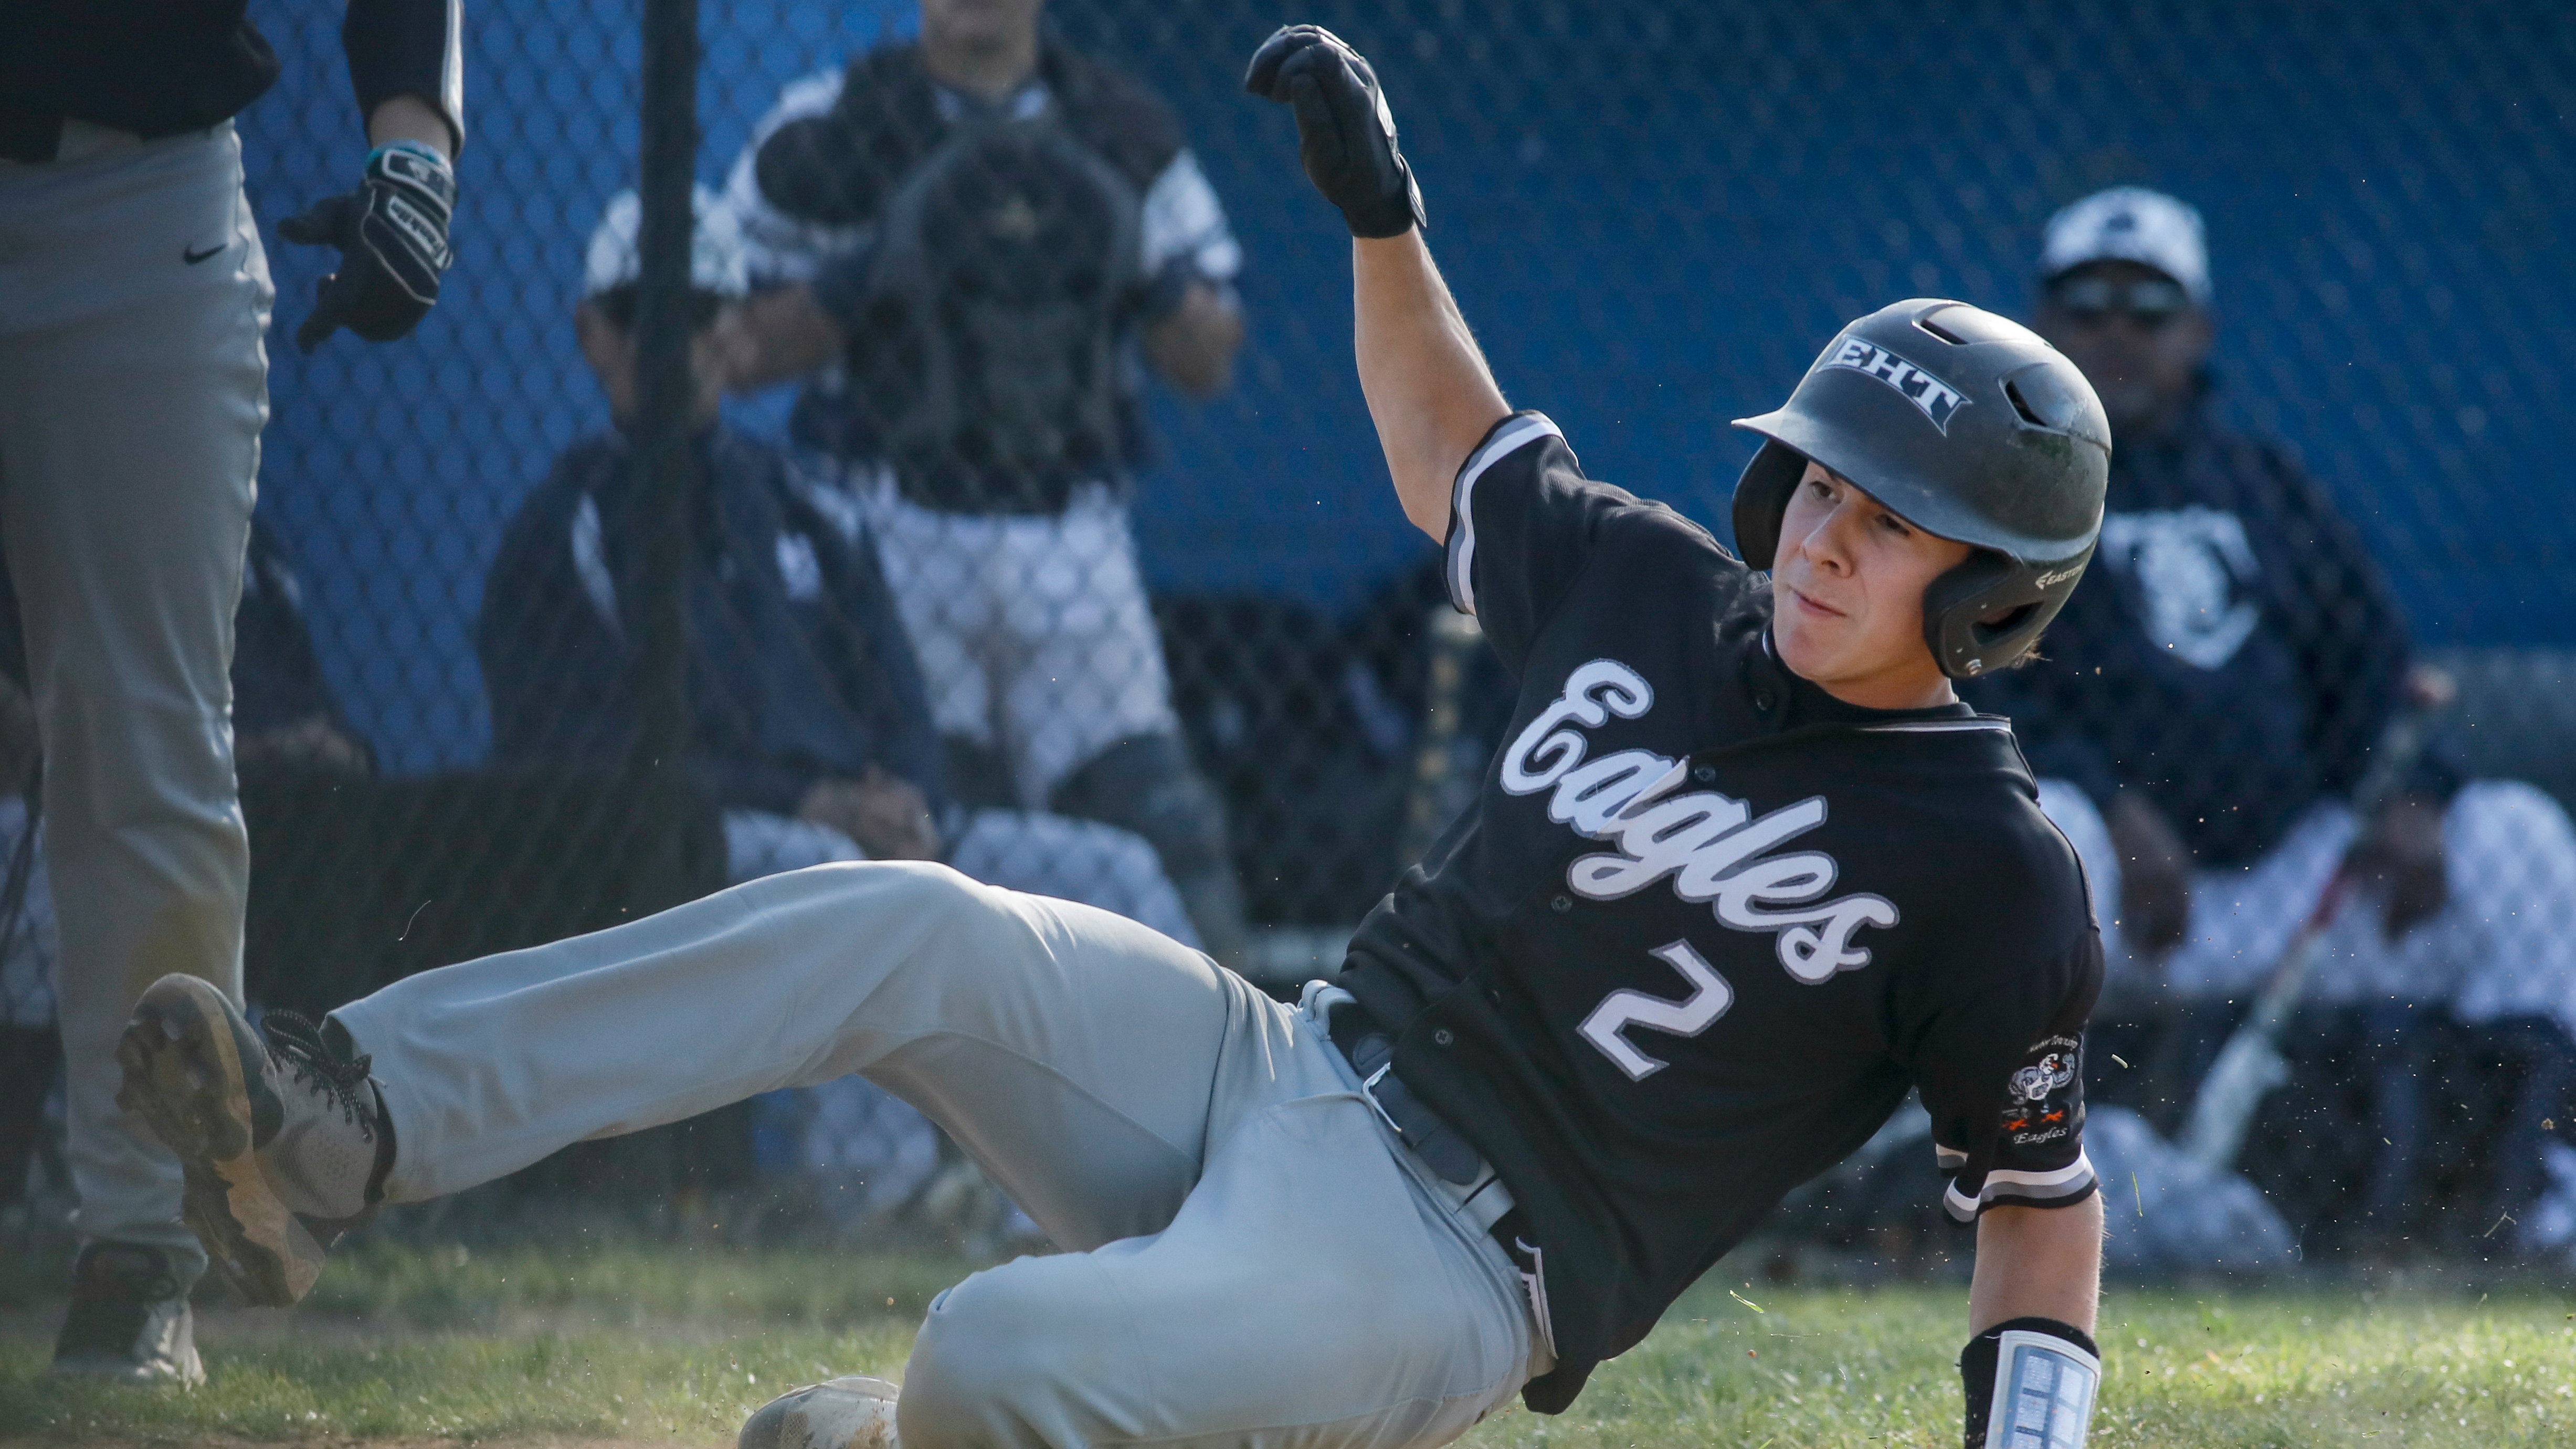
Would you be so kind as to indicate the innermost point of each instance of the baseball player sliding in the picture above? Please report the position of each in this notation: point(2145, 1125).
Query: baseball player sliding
point(1745, 873)
point(134, 309)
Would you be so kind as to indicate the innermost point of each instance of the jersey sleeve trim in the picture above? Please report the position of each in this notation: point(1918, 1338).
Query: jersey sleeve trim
point(408, 47)
point(2060, 1187)
point(1941, 726)
point(1514, 434)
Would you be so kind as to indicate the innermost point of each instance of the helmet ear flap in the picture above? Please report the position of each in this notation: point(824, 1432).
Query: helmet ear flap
point(1989, 611)
point(1761, 497)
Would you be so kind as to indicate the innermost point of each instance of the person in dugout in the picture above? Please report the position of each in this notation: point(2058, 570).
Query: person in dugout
point(2200, 715)
point(964, 246)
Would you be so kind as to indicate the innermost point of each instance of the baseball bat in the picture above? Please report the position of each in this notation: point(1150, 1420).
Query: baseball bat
point(1452, 639)
point(2250, 1064)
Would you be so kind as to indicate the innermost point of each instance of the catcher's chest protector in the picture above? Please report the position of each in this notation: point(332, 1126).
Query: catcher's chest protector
point(1005, 264)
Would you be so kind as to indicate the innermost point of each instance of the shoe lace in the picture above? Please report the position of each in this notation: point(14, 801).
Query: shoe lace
point(299, 1043)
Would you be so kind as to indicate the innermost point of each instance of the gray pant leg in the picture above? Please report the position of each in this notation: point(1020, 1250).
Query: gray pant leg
point(1259, 1263)
point(1075, 1055)
point(1315, 1290)
point(133, 386)
point(1078, 860)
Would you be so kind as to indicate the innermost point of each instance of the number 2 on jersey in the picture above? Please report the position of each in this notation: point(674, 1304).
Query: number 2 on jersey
point(1710, 997)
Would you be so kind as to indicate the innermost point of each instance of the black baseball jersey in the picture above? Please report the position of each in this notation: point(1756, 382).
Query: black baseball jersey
point(161, 67)
point(1705, 925)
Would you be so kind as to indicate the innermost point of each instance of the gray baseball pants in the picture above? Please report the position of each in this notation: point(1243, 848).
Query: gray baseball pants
point(1255, 1260)
point(134, 300)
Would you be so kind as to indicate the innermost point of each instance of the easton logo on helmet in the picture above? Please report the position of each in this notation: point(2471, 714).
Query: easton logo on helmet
point(1937, 399)
point(2052, 580)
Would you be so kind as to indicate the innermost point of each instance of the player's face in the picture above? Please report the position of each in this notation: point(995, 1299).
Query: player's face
point(1847, 595)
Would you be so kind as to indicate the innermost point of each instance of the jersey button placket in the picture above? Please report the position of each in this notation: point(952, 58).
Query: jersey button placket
point(1443, 1036)
point(1561, 904)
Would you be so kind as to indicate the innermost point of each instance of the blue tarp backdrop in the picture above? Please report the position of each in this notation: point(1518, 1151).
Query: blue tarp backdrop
point(1653, 213)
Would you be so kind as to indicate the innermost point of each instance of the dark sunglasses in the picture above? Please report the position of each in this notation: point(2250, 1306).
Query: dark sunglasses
point(2148, 301)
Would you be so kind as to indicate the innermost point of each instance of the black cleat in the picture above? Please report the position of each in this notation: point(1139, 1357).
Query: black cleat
point(129, 1319)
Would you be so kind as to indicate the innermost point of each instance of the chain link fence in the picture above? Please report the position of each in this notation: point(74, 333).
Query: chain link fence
point(1028, 568)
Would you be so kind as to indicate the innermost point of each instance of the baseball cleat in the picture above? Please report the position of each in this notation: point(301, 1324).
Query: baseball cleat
point(281, 1141)
point(129, 1320)
point(842, 1413)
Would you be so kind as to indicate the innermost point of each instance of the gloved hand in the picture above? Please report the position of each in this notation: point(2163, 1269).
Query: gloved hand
point(392, 236)
point(1345, 134)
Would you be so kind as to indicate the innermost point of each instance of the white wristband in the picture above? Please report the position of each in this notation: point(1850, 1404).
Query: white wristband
point(2044, 1387)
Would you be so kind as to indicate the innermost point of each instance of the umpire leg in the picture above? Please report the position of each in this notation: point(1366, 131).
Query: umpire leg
point(134, 299)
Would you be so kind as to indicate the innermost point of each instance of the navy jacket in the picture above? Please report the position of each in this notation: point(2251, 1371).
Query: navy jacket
point(2233, 652)
point(798, 662)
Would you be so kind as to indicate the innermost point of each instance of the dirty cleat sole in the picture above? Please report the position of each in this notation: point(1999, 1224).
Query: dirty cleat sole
point(844, 1413)
point(189, 1066)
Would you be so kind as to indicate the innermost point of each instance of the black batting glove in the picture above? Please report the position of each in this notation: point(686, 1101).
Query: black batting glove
point(1345, 133)
point(392, 236)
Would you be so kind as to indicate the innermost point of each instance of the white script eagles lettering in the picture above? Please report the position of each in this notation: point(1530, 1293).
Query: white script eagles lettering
point(1711, 845)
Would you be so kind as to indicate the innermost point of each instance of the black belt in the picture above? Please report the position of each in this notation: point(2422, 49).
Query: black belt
point(1444, 1151)
point(1454, 1158)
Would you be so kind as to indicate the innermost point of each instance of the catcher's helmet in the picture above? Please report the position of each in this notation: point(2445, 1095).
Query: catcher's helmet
point(1965, 425)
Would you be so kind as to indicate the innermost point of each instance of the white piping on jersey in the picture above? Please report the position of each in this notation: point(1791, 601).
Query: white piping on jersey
point(2066, 1181)
point(1462, 517)
point(1937, 726)
point(1948, 1159)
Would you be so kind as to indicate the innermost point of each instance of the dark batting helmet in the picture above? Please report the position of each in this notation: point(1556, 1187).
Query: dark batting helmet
point(1965, 425)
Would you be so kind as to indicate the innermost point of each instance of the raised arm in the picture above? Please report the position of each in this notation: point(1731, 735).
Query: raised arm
point(1429, 391)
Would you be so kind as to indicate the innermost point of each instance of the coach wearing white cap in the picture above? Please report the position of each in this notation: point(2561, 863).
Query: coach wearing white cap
point(2205, 708)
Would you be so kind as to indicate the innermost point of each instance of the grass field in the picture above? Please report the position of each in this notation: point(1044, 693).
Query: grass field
point(666, 1345)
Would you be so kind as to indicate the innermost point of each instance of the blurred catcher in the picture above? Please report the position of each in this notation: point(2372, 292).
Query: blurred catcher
point(134, 307)
point(1576, 1055)
point(964, 244)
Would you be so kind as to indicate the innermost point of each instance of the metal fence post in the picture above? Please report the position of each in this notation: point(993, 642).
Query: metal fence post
point(663, 429)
